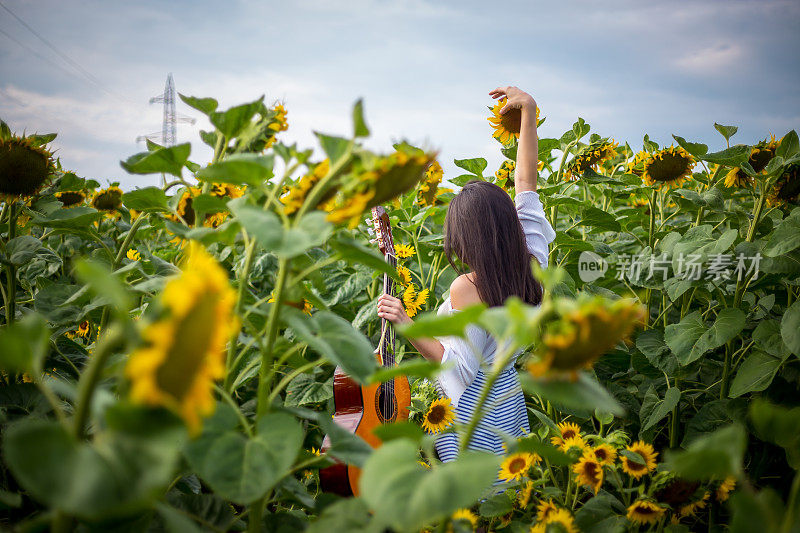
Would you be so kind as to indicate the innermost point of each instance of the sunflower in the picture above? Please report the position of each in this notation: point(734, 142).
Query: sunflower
point(185, 211)
point(133, 254)
point(439, 416)
point(787, 188)
point(690, 509)
point(586, 329)
point(405, 275)
point(503, 174)
point(82, 331)
point(648, 455)
point(589, 471)
point(636, 165)
point(184, 351)
point(508, 125)
point(573, 442)
point(545, 509)
point(638, 201)
point(645, 512)
point(725, 488)
point(108, 201)
point(590, 156)
point(559, 517)
point(465, 515)
point(295, 196)
point(24, 167)
point(215, 220)
point(278, 122)
point(605, 454)
point(404, 251)
point(568, 430)
point(426, 194)
point(516, 465)
point(524, 496)
point(760, 155)
point(70, 198)
point(667, 167)
point(351, 208)
point(414, 300)
point(134, 214)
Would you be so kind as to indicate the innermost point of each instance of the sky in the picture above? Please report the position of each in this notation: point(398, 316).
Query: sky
point(424, 69)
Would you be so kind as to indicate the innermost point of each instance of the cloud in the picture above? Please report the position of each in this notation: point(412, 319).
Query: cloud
point(712, 60)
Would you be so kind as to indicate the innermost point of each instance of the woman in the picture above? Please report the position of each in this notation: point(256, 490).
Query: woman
point(497, 242)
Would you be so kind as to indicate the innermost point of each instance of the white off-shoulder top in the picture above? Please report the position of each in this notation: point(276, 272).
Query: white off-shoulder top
point(462, 352)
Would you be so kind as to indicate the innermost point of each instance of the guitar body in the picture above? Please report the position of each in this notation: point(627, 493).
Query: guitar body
point(359, 409)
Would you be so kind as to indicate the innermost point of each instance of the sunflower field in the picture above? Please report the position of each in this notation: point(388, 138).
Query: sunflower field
point(167, 353)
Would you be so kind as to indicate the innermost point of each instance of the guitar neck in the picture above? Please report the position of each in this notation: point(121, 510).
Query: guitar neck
point(383, 233)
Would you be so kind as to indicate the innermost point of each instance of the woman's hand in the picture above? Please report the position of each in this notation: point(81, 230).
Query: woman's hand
point(392, 309)
point(516, 99)
point(526, 173)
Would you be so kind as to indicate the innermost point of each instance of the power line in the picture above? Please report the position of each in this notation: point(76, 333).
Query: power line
point(40, 56)
point(88, 75)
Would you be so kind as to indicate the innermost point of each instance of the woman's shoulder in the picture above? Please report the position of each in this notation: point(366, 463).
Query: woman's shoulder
point(464, 292)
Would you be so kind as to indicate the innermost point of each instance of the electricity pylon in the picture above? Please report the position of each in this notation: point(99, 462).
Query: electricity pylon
point(169, 134)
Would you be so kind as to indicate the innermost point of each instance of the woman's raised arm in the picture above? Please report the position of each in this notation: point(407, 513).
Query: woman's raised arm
point(518, 101)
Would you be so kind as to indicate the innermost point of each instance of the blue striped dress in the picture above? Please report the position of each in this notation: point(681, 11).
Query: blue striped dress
point(472, 356)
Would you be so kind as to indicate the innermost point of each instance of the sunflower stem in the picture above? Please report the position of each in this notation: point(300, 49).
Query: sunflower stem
point(244, 275)
point(118, 259)
point(674, 422)
point(256, 512)
point(11, 271)
point(91, 376)
point(265, 378)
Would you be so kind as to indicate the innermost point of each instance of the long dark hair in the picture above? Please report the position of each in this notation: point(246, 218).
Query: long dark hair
point(483, 231)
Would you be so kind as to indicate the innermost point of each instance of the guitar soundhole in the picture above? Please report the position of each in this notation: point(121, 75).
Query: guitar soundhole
point(385, 404)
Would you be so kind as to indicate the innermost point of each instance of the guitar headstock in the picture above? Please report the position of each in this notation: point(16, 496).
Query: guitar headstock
point(383, 230)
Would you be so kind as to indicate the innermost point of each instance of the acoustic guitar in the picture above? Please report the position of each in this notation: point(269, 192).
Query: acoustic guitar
point(361, 409)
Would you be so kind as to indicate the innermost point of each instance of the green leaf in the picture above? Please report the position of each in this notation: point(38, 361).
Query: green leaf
point(243, 469)
point(726, 131)
point(75, 217)
point(786, 237)
point(239, 169)
point(681, 337)
point(790, 328)
point(22, 249)
point(778, 425)
point(756, 511)
point(696, 149)
point(350, 514)
point(393, 475)
point(204, 105)
point(718, 454)
point(335, 339)
point(789, 146)
point(709, 417)
point(354, 251)
point(728, 324)
point(209, 203)
point(475, 165)
point(431, 324)
point(498, 505)
point(169, 160)
point(767, 336)
point(651, 343)
point(553, 455)
point(232, 121)
point(24, 345)
point(601, 514)
point(103, 283)
point(312, 230)
point(305, 389)
point(671, 399)
point(360, 128)
point(733, 156)
point(755, 373)
point(399, 430)
point(594, 217)
point(585, 394)
point(146, 199)
point(334, 147)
